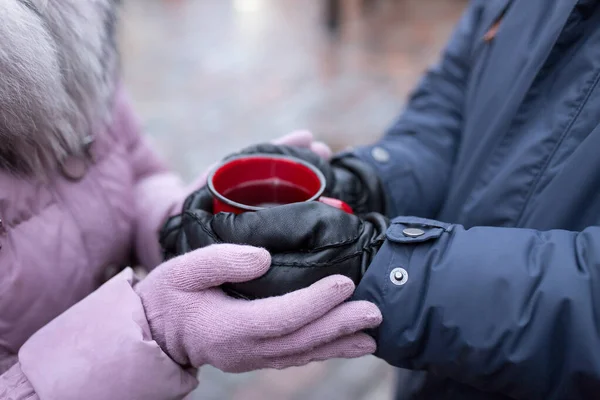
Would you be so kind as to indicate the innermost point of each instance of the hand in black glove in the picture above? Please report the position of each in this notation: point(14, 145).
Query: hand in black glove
point(307, 241)
point(348, 178)
point(201, 200)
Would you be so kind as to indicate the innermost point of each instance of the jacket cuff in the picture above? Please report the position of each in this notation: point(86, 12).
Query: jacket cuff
point(392, 174)
point(157, 198)
point(395, 282)
point(14, 385)
point(101, 348)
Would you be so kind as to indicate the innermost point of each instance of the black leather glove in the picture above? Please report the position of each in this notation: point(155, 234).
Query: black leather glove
point(307, 241)
point(348, 178)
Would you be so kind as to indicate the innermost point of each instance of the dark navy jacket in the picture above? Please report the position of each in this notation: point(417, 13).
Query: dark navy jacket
point(501, 143)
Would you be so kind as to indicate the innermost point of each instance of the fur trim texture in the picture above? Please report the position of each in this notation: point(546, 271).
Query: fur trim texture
point(58, 71)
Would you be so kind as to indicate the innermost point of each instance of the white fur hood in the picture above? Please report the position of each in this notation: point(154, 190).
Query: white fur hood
point(58, 70)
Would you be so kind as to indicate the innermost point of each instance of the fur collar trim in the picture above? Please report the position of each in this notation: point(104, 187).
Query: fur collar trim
point(58, 71)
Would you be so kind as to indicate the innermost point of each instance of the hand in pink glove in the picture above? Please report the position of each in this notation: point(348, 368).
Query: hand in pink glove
point(196, 323)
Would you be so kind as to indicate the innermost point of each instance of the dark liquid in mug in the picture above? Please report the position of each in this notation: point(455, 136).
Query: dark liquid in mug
point(267, 193)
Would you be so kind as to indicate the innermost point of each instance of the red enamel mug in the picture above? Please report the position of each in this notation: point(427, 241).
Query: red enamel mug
point(257, 181)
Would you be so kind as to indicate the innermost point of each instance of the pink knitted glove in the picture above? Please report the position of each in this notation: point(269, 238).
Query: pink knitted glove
point(196, 323)
point(304, 139)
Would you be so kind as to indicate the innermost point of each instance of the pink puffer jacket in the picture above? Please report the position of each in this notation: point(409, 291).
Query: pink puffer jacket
point(57, 241)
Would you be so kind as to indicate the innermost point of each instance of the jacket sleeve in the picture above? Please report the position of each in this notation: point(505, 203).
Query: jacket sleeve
point(99, 349)
point(504, 310)
point(14, 385)
point(415, 157)
point(158, 191)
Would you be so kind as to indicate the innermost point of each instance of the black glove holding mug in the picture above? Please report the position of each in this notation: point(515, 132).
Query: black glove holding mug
point(307, 241)
point(348, 178)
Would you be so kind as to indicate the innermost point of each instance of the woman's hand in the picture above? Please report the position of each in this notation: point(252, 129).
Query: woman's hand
point(196, 323)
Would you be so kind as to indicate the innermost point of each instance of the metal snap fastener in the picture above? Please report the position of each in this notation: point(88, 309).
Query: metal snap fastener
point(399, 276)
point(413, 232)
point(380, 154)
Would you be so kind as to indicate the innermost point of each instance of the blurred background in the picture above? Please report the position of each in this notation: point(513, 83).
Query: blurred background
point(209, 77)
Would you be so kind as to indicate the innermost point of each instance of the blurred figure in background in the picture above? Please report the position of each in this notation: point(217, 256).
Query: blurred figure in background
point(80, 192)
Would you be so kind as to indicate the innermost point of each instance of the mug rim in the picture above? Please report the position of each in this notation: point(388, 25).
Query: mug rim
point(229, 202)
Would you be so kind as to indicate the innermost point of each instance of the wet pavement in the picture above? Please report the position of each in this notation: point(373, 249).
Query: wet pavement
point(211, 76)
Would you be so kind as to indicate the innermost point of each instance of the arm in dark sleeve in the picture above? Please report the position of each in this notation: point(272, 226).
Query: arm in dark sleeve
point(504, 310)
point(415, 157)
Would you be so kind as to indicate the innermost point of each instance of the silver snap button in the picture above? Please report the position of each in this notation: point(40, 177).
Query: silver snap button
point(413, 232)
point(399, 276)
point(380, 154)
